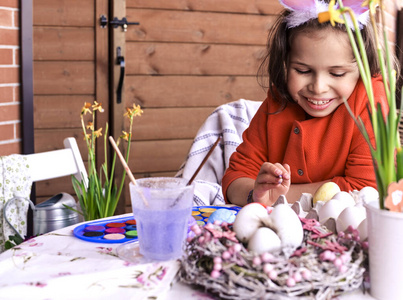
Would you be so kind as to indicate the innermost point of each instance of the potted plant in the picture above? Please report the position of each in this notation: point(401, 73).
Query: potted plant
point(385, 218)
point(98, 198)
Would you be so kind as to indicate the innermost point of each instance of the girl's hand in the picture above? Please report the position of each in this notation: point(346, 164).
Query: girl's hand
point(272, 181)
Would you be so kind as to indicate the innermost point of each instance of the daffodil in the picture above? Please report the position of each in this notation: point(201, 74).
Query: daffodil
point(99, 198)
point(332, 15)
point(97, 106)
point(125, 136)
point(133, 112)
point(86, 136)
point(98, 132)
point(90, 126)
point(137, 110)
point(86, 108)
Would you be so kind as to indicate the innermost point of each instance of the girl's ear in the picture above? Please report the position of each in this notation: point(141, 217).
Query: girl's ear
point(300, 5)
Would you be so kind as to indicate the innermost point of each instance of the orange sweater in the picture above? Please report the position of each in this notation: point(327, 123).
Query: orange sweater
point(316, 149)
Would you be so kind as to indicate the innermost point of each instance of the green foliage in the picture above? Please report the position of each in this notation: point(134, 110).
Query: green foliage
point(99, 198)
point(387, 153)
point(13, 241)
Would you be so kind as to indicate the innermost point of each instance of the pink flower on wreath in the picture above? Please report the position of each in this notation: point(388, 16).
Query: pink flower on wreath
point(394, 200)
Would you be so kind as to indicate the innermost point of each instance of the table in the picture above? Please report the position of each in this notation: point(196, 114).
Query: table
point(57, 265)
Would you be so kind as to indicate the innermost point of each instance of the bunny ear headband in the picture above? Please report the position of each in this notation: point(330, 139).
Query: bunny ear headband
point(304, 10)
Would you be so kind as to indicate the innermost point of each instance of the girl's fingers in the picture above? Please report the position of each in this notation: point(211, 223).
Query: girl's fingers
point(275, 172)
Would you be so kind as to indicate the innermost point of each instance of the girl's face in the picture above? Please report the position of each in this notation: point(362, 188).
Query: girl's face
point(321, 71)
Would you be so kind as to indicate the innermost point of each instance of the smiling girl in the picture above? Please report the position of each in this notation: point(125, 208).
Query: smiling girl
point(302, 135)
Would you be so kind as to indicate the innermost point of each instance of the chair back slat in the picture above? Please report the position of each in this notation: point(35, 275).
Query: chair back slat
point(57, 163)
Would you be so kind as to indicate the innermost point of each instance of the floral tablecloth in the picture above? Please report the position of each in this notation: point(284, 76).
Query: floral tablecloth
point(57, 265)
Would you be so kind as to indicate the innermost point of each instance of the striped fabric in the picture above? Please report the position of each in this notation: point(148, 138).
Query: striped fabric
point(228, 120)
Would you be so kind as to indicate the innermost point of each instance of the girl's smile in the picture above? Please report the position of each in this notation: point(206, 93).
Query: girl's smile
point(321, 71)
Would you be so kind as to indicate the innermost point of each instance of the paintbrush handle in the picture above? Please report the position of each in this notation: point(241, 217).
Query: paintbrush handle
point(204, 160)
point(123, 161)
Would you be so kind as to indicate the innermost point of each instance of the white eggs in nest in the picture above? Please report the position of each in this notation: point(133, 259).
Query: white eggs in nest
point(350, 216)
point(264, 240)
point(249, 219)
point(287, 225)
point(265, 232)
point(331, 209)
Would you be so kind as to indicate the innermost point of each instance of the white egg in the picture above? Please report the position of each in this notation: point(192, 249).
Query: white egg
point(264, 240)
point(249, 219)
point(287, 225)
point(331, 209)
point(351, 215)
point(318, 205)
point(367, 194)
point(345, 197)
point(363, 230)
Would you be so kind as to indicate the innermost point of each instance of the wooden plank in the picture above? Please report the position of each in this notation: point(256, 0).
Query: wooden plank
point(61, 43)
point(169, 123)
point(63, 13)
point(59, 77)
point(158, 156)
point(48, 188)
point(48, 114)
point(179, 91)
point(235, 6)
point(194, 59)
point(48, 140)
point(199, 27)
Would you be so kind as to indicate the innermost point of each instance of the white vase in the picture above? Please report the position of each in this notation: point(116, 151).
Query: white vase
point(385, 240)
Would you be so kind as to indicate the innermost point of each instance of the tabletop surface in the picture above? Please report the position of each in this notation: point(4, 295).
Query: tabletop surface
point(58, 265)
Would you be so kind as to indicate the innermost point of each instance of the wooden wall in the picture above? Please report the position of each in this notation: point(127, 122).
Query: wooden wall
point(185, 59)
point(64, 77)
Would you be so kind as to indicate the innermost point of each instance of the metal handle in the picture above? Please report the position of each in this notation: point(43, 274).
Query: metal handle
point(5, 211)
point(121, 62)
point(116, 22)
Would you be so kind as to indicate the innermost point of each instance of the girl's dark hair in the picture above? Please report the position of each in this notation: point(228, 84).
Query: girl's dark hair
point(274, 64)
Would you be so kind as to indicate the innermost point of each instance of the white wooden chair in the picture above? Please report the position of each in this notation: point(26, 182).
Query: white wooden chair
point(58, 163)
point(45, 166)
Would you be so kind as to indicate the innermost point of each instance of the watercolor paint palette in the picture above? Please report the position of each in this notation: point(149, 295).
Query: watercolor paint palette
point(123, 229)
point(116, 230)
point(202, 214)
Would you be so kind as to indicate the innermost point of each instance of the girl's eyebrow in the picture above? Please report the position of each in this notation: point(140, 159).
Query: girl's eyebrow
point(347, 65)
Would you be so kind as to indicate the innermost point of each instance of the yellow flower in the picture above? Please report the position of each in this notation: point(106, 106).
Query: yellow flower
point(90, 125)
point(125, 136)
point(97, 106)
point(137, 110)
point(98, 132)
point(86, 108)
point(86, 136)
point(332, 15)
point(133, 112)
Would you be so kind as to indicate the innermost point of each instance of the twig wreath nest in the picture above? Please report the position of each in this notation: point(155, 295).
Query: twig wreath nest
point(323, 266)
